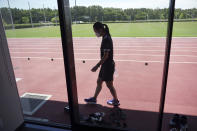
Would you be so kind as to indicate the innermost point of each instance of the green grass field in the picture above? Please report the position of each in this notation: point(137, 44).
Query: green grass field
point(157, 29)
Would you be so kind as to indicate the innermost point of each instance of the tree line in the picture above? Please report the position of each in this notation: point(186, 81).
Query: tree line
point(92, 14)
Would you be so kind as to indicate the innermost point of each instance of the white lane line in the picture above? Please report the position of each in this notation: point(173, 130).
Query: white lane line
point(137, 37)
point(133, 46)
point(18, 79)
point(114, 49)
point(99, 54)
point(33, 45)
point(142, 61)
point(98, 43)
point(37, 58)
point(55, 38)
point(83, 44)
point(120, 60)
point(153, 37)
point(37, 52)
point(137, 55)
point(145, 50)
point(33, 48)
point(115, 46)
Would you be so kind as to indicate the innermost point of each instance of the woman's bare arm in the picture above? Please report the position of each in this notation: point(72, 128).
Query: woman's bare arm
point(104, 58)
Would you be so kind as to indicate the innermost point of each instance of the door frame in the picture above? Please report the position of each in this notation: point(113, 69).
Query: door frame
point(67, 44)
point(69, 64)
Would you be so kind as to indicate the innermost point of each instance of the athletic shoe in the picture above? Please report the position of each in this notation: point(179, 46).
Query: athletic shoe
point(174, 129)
point(97, 117)
point(175, 122)
point(90, 100)
point(183, 123)
point(67, 108)
point(113, 102)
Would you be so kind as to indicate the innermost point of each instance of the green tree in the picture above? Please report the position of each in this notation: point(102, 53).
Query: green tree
point(79, 13)
point(95, 13)
point(130, 14)
point(182, 16)
point(4, 23)
point(162, 16)
point(141, 16)
point(25, 20)
point(54, 19)
point(109, 14)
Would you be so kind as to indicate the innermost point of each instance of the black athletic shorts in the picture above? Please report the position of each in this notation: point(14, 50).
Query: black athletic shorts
point(107, 71)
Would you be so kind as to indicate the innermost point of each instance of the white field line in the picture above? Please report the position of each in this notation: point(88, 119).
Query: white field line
point(98, 54)
point(119, 60)
point(42, 103)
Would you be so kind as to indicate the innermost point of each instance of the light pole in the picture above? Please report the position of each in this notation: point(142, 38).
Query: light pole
point(75, 12)
point(1, 18)
point(55, 17)
point(147, 12)
point(130, 18)
point(89, 14)
point(188, 16)
point(116, 10)
point(11, 15)
point(44, 14)
point(30, 15)
point(147, 17)
point(1, 15)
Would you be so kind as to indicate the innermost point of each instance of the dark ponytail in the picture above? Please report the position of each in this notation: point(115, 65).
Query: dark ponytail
point(99, 25)
point(106, 28)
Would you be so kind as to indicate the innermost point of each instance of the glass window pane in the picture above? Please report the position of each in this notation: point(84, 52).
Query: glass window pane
point(181, 87)
point(33, 33)
point(138, 31)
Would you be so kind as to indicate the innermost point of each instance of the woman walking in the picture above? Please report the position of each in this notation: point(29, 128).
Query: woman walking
point(106, 64)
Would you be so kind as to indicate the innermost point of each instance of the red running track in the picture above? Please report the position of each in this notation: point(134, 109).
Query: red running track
point(138, 86)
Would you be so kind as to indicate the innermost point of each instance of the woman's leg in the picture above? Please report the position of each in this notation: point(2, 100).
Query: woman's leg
point(112, 89)
point(98, 88)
